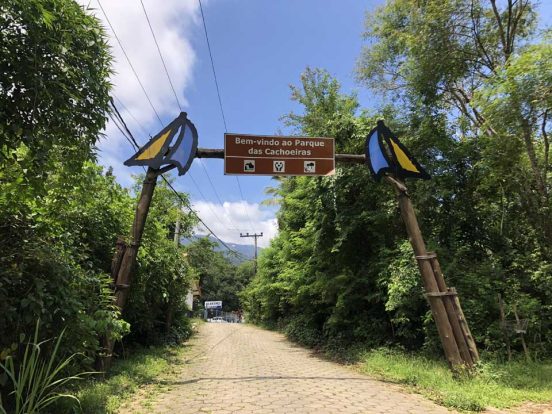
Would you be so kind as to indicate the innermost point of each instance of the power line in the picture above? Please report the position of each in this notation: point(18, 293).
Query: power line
point(241, 195)
point(186, 204)
point(123, 133)
point(132, 116)
point(122, 121)
point(161, 55)
point(212, 64)
point(130, 138)
point(129, 62)
point(194, 182)
point(217, 195)
point(219, 97)
point(147, 96)
point(178, 102)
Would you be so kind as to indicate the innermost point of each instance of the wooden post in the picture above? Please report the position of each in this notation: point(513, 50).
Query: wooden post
point(124, 277)
point(103, 360)
point(465, 327)
point(123, 268)
point(525, 349)
point(453, 314)
point(120, 247)
point(452, 353)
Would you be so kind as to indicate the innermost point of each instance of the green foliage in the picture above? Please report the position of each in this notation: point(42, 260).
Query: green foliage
point(319, 274)
point(303, 330)
point(60, 213)
point(53, 85)
point(37, 378)
point(341, 271)
point(496, 385)
point(163, 273)
point(405, 302)
point(56, 260)
point(219, 278)
point(147, 365)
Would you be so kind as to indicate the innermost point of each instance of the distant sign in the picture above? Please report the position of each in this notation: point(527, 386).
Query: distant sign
point(213, 304)
point(276, 155)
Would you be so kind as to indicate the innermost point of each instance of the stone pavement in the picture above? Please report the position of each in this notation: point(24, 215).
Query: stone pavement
point(236, 368)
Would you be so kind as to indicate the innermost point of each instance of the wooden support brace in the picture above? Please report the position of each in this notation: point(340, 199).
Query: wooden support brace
point(440, 294)
point(437, 304)
point(472, 346)
point(120, 247)
point(453, 316)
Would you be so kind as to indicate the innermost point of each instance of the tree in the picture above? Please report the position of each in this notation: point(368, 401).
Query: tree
point(219, 279)
point(58, 212)
point(459, 58)
point(55, 264)
point(163, 273)
point(516, 103)
point(53, 85)
point(340, 270)
point(318, 278)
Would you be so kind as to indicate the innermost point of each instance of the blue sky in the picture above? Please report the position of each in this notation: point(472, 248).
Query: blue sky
point(259, 48)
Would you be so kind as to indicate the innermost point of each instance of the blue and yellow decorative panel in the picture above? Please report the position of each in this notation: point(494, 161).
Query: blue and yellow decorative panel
point(159, 151)
point(385, 154)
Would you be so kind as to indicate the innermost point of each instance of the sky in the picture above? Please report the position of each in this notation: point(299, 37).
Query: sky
point(259, 48)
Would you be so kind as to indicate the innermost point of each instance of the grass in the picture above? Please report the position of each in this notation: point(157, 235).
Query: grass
point(145, 368)
point(499, 385)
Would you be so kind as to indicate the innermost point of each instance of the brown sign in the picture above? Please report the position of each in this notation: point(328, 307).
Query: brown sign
point(276, 155)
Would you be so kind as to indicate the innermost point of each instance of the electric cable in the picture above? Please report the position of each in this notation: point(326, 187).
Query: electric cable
point(161, 55)
point(125, 108)
point(130, 137)
point(219, 98)
point(129, 62)
point(227, 216)
point(125, 130)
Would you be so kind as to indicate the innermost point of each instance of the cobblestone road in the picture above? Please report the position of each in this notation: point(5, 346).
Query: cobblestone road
point(237, 368)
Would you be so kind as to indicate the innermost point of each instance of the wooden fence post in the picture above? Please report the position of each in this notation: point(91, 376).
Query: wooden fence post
point(503, 326)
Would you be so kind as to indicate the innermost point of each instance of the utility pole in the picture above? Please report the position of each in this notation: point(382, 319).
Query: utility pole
point(255, 236)
point(170, 306)
point(177, 232)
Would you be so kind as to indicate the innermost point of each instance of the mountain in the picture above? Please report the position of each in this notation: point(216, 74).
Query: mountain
point(246, 250)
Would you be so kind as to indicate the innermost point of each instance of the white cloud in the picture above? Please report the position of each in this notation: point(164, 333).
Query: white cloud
point(228, 220)
point(172, 22)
